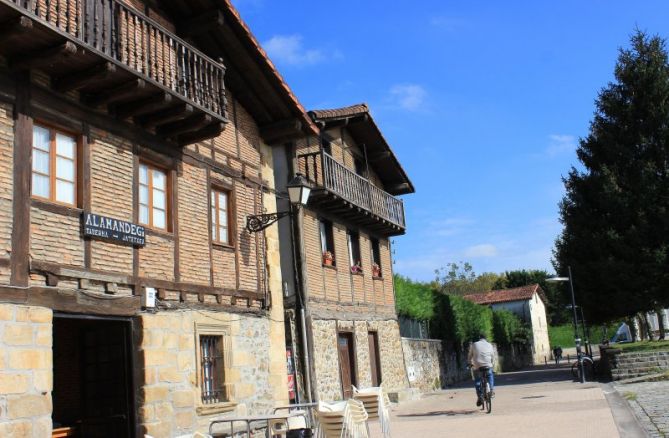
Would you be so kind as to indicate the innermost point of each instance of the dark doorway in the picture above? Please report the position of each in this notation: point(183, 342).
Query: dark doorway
point(346, 363)
point(374, 360)
point(92, 377)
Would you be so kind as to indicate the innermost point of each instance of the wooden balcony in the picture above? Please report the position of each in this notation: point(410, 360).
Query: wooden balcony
point(119, 62)
point(344, 193)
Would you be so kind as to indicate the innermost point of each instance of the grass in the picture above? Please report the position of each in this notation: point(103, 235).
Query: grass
point(634, 347)
point(563, 335)
point(631, 396)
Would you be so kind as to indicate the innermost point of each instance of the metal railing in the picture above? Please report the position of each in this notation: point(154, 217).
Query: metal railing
point(323, 170)
point(138, 42)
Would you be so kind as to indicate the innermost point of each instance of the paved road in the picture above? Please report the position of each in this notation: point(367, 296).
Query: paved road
point(650, 403)
point(541, 402)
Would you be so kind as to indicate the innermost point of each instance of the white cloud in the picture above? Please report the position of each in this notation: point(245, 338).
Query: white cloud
point(559, 144)
point(288, 49)
point(483, 250)
point(410, 97)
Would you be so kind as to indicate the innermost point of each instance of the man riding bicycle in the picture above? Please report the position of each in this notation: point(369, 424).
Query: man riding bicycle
point(481, 357)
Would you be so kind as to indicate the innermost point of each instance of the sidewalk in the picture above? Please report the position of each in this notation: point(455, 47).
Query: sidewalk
point(650, 404)
point(543, 402)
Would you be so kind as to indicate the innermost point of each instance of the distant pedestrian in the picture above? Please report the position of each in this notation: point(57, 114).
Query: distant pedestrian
point(557, 354)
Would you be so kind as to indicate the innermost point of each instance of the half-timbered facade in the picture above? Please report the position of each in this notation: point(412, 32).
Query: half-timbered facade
point(346, 270)
point(135, 138)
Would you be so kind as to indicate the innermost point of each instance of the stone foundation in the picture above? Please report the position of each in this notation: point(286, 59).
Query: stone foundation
point(26, 361)
point(326, 357)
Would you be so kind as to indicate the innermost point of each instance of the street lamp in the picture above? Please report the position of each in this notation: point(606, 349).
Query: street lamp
point(585, 330)
point(577, 339)
point(298, 193)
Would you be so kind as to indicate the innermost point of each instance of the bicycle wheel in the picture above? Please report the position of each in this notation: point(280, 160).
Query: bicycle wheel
point(574, 371)
point(588, 369)
point(488, 398)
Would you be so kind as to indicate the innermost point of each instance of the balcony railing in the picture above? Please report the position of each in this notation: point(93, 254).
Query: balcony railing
point(324, 171)
point(138, 42)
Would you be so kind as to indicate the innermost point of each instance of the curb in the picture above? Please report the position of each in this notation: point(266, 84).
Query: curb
point(627, 423)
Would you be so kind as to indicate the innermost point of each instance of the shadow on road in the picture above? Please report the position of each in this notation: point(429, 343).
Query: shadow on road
point(449, 413)
point(535, 374)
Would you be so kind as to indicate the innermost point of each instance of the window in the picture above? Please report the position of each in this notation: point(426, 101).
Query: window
point(327, 241)
point(360, 167)
point(326, 144)
point(153, 197)
point(212, 369)
point(354, 251)
point(220, 223)
point(376, 258)
point(54, 165)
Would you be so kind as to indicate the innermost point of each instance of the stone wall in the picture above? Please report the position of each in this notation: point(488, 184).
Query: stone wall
point(628, 365)
point(326, 357)
point(26, 380)
point(169, 399)
point(423, 362)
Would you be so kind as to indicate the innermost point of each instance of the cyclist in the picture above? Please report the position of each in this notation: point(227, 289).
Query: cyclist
point(481, 355)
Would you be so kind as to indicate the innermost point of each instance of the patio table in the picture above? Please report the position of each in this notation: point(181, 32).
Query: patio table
point(248, 419)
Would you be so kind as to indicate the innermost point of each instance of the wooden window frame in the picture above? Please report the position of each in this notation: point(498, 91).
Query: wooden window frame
point(53, 157)
point(353, 243)
point(375, 246)
point(230, 211)
point(222, 331)
point(150, 166)
point(328, 244)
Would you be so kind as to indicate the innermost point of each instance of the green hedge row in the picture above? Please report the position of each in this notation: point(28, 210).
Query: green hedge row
point(454, 319)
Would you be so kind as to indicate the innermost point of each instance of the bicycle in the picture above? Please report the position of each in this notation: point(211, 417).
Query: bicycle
point(486, 393)
point(589, 369)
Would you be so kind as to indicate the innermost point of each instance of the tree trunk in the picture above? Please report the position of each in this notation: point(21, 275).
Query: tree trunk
point(631, 323)
point(647, 327)
point(659, 311)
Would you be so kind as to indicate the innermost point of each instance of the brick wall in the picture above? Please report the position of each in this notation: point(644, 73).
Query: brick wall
point(25, 371)
point(194, 225)
point(56, 238)
point(337, 285)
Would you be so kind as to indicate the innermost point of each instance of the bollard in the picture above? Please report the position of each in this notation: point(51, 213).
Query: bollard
point(545, 361)
point(568, 359)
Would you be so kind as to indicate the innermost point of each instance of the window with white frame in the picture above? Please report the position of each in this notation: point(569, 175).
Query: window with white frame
point(220, 216)
point(153, 197)
point(54, 165)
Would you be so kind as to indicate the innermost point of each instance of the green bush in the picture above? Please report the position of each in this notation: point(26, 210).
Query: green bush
point(507, 328)
point(413, 299)
point(461, 321)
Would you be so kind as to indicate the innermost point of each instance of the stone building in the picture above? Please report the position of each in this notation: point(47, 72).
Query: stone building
point(135, 139)
point(343, 255)
point(529, 304)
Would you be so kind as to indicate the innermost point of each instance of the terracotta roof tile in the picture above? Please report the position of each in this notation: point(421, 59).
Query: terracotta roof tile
point(506, 295)
point(348, 111)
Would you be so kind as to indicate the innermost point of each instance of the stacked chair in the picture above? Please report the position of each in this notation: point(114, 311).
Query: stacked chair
point(346, 419)
point(377, 405)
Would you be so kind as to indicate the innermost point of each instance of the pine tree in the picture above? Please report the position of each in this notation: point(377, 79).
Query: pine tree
point(616, 212)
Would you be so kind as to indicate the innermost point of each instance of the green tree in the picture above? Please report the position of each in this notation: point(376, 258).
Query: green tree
point(460, 279)
point(616, 210)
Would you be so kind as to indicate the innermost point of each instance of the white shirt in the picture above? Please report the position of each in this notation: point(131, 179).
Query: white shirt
point(481, 354)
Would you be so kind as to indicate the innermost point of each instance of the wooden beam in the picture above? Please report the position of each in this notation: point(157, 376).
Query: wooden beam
point(380, 156)
point(23, 139)
point(282, 130)
point(82, 78)
point(13, 28)
point(142, 106)
point(43, 57)
point(165, 116)
point(116, 94)
point(398, 187)
point(210, 131)
point(182, 126)
point(201, 23)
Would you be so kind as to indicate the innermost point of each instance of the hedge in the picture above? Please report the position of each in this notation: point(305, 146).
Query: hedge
point(413, 299)
point(454, 319)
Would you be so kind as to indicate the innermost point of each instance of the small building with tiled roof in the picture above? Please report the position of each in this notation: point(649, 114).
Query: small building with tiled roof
point(529, 304)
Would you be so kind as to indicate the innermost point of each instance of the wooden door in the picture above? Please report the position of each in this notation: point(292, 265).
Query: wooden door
point(346, 364)
point(374, 360)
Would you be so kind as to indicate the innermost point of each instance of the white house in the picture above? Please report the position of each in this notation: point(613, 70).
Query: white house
point(529, 304)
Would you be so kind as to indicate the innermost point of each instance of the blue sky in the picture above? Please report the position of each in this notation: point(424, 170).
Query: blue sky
point(483, 102)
